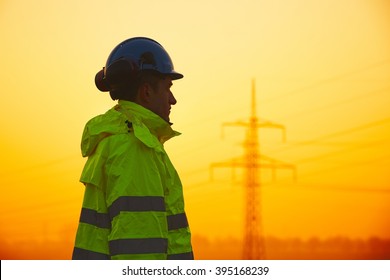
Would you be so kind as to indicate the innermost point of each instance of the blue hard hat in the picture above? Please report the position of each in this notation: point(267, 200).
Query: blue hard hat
point(130, 58)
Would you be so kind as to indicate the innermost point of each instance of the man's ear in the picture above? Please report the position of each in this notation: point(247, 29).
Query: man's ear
point(144, 93)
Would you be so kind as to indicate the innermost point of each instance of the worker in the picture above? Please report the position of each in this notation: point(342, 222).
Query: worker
point(133, 205)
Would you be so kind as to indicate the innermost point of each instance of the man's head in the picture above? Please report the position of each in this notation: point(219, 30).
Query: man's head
point(140, 70)
point(137, 67)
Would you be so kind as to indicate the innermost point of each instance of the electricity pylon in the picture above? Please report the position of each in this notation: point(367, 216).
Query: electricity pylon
point(252, 162)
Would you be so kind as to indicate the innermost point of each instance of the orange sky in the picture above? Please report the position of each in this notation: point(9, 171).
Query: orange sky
point(322, 69)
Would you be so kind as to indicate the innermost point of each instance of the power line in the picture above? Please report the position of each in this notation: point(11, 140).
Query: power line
point(39, 166)
point(366, 145)
point(336, 134)
point(349, 165)
point(38, 207)
point(313, 187)
point(327, 80)
point(334, 104)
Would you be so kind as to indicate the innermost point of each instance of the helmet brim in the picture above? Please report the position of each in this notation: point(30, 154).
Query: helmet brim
point(175, 76)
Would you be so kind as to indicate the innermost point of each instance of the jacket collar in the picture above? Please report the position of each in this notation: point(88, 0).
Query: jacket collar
point(142, 118)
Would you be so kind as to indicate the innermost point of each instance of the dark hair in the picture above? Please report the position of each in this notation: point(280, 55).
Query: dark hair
point(129, 90)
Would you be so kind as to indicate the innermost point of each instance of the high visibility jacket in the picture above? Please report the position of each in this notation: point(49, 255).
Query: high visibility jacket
point(133, 205)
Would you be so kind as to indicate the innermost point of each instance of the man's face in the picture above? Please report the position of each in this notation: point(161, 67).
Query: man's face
point(161, 98)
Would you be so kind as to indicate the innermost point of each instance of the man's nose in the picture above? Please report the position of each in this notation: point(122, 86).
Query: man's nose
point(172, 99)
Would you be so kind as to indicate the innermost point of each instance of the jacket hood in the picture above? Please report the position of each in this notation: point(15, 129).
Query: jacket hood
point(100, 127)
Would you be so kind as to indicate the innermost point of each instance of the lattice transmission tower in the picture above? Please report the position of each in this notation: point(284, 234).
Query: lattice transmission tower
point(252, 162)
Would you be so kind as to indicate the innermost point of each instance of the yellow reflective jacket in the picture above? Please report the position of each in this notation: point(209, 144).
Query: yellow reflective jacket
point(133, 205)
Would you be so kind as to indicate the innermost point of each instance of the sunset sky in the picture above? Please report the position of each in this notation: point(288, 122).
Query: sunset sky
point(322, 69)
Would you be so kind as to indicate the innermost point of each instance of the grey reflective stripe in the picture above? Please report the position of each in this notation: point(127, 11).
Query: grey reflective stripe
point(94, 218)
point(136, 204)
point(138, 246)
point(177, 221)
point(183, 256)
point(82, 254)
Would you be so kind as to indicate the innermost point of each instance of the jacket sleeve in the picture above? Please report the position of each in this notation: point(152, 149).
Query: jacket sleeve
point(94, 224)
point(134, 196)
